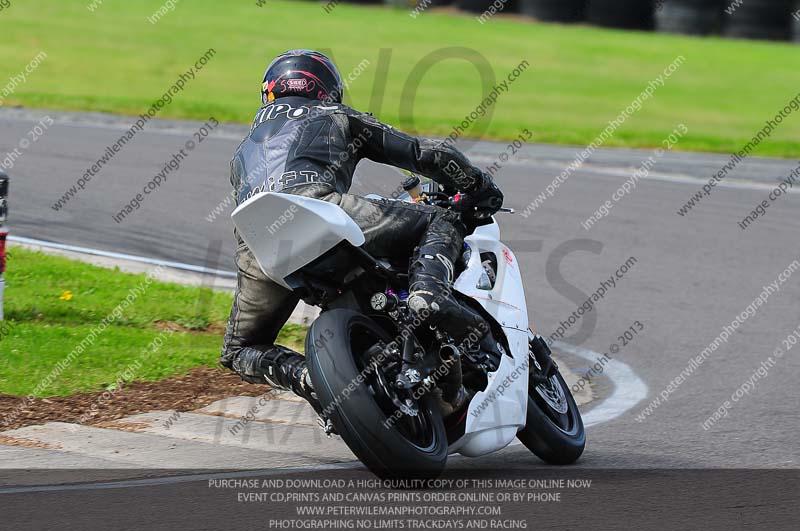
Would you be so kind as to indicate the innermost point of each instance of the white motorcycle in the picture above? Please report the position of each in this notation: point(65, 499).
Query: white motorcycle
point(382, 377)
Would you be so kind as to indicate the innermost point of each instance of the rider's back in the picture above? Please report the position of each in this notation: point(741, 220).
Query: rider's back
point(296, 141)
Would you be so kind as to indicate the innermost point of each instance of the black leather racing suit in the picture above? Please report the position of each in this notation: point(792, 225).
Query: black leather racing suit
point(311, 148)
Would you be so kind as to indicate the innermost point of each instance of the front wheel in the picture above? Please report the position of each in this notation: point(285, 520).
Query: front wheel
point(395, 434)
point(554, 429)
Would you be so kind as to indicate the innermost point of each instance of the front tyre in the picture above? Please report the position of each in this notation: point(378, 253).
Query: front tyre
point(554, 429)
point(353, 380)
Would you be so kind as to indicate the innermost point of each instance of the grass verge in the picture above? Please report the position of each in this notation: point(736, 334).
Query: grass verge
point(113, 59)
point(52, 304)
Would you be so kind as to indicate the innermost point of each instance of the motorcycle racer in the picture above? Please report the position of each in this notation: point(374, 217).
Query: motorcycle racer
point(304, 141)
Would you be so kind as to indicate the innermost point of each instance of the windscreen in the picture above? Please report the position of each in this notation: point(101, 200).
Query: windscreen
point(381, 179)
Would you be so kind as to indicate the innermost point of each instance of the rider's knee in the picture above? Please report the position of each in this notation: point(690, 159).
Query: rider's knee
point(448, 216)
point(448, 224)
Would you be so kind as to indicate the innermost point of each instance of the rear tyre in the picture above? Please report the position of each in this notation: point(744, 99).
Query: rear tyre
point(474, 6)
point(761, 19)
point(554, 429)
point(690, 17)
point(553, 10)
point(627, 14)
point(357, 395)
point(796, 23)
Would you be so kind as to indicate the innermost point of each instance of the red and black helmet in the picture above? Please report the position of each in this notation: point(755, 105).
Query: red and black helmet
point(303, 73)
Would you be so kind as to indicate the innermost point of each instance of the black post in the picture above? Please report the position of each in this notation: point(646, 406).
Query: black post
point(3, 233)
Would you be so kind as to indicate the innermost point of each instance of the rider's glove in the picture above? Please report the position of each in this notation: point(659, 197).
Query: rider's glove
point(485, 199)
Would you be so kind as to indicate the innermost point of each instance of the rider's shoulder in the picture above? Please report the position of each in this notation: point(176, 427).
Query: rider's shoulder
point(367, 117)
point(330, 107)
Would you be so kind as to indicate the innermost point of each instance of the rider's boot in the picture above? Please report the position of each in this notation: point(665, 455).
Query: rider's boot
point(431, 298)
point(281, 368)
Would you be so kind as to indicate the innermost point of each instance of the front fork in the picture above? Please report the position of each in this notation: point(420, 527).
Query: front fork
point(541, 356)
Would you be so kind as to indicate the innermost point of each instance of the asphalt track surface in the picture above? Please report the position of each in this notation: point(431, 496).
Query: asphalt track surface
point(692, 275)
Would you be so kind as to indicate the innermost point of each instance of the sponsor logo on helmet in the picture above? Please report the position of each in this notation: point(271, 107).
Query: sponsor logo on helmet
point(300, 85)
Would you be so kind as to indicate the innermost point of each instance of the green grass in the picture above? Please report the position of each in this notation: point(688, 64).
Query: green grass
point(42, 328)
point(115, 60)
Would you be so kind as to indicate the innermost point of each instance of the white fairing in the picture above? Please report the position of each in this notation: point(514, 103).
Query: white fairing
point(285, 232)
point(496, 414)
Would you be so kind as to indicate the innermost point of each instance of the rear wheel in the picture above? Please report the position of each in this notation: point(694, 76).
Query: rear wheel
point(690, 17)
point(395, 434)
point(554, 429)
point(554, 10)
point(761, 19)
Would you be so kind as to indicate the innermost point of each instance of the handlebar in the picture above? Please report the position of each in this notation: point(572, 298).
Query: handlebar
point(463, 203)
point(460, 202)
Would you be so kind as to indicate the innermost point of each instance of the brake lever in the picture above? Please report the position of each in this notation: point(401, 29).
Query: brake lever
point(457, 204)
